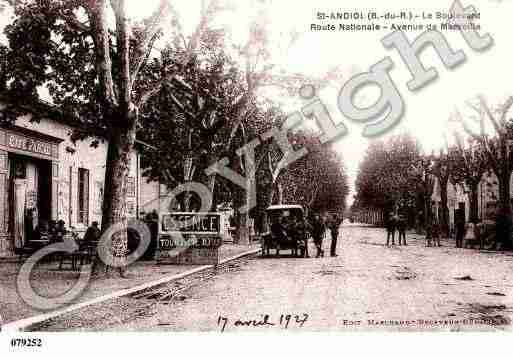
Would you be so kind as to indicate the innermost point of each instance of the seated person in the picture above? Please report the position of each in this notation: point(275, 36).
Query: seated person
point(41, 231)
point(60, 230)
point(291, 228)
point(92, 234)
point(278, 230)
point(52, 230)
point(29, 224)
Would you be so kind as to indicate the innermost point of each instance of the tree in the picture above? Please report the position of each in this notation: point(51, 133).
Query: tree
point(388, 178)
point(425, 181)
point(318, 180)
point(92, 71)
point(258, 73)
point(442, 169)
point(187, 129)
point(261, 72)
point(497, 149)
point(469, 164)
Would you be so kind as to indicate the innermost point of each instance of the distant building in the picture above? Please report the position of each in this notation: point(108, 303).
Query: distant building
point(458, 197)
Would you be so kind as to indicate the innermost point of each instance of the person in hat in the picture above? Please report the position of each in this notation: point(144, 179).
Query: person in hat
point(92, 234)
point(333, 225)
point(391, 226)
point(318, 230)
point(303, 230)
point(401, 229)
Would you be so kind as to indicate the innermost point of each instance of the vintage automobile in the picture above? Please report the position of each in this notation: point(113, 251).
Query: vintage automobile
point(276, 239)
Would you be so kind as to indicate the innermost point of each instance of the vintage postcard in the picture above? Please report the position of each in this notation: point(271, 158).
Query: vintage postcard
point(257, 166)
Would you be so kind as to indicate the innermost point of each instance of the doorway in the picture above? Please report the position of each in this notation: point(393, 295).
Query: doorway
point(29, 196)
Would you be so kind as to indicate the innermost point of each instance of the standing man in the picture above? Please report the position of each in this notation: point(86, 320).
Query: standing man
point(503, 226)
point(391, 223)
point(470, 235)
point(460, 227)
point(333, 226)
point(435, 232)
point(318, 229)
point(401, 228)
point(303, 229)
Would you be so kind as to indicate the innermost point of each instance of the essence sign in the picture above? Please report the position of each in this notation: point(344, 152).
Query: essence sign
point(189, 238)
point(191, 222)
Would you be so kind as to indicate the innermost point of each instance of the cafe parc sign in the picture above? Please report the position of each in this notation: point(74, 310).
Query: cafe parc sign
point(28, 144)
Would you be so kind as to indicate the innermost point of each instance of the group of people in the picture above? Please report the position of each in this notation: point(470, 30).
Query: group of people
point(472, 233)
point(55, 231)
point(300, 229)
point(396, 222)
point(467, 234)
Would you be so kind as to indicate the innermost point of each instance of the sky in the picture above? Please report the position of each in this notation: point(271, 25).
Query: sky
point(314, 53)
point(427, 110)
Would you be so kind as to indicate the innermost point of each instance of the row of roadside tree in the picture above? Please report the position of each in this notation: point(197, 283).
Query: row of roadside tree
point(397, 174)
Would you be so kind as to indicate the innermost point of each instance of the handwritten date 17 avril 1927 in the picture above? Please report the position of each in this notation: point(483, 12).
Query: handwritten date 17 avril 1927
point(285, 321)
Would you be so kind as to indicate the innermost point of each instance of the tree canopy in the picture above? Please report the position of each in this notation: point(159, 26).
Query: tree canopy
point(387, 175)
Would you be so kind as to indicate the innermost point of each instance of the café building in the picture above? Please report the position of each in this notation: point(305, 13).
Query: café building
point(45, 176)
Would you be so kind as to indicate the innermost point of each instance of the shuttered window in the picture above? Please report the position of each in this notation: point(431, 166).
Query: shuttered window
point(83, 196)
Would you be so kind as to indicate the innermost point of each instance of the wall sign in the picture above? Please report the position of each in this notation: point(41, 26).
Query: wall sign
point(197, 243)
point(16, 141)
point(28, 144)
point(196, 222)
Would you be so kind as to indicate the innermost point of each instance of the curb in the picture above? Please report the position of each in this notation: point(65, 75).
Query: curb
point(25, 324)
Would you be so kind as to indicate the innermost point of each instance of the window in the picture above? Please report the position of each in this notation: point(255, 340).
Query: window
point(83, 196)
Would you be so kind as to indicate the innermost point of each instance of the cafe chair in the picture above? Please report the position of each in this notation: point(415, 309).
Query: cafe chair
point(69, 258)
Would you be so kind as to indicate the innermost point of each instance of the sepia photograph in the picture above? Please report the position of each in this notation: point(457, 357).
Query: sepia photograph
point(269, 171)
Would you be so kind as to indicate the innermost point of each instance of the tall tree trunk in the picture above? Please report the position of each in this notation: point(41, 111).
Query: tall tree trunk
point(504, 191)
point(280, 193)
point(242, 228)
point(213, 158)
point(444, 220)
point(276, 193)
point(120, 147)
point(420, 213)
point(244, 232)
point(212, 187)
point(241, 218)
point(474, 202)
point(428, 215)
point(505, 206)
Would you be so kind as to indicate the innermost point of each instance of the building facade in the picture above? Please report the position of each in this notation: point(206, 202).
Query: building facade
point(458, 198)
point(45, 176)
